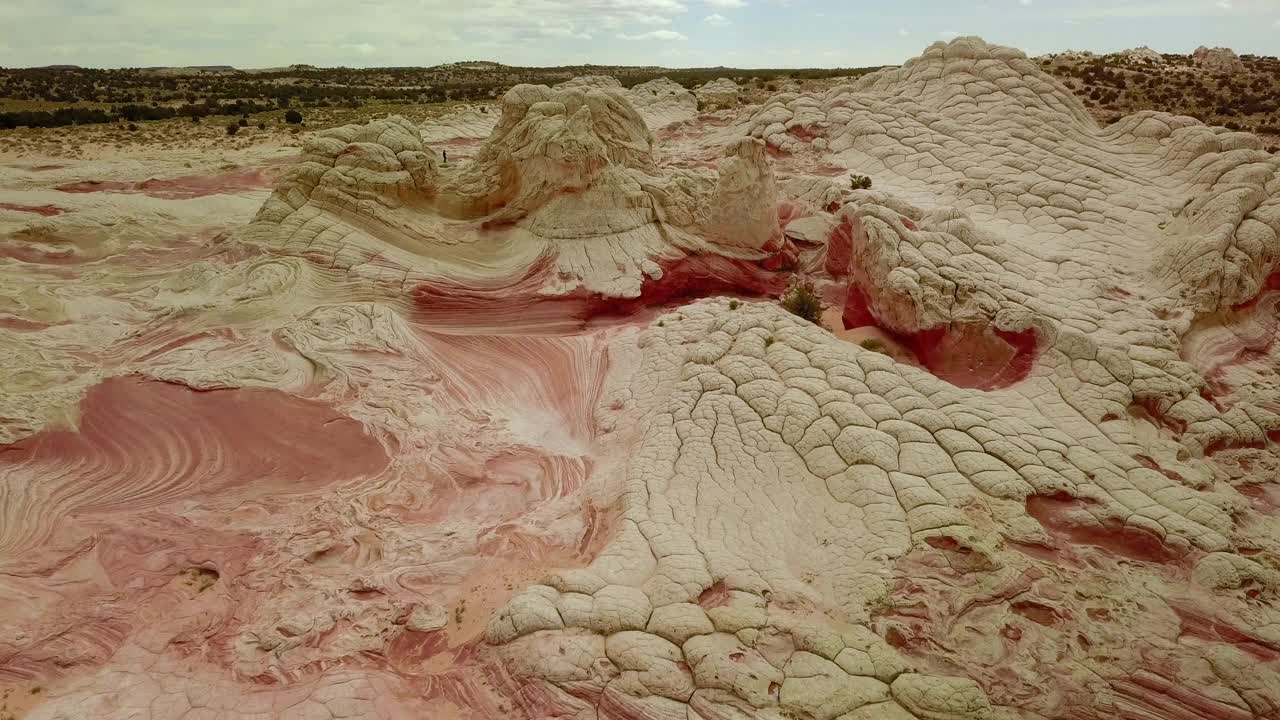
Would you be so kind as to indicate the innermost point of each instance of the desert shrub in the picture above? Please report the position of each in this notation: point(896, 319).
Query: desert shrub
point(733, 304)
point(293, 117)
point(133, 128)
point(57, 118)
point(243, 122)
point(860, 182)
point(262, 126)
point(233, 128)
point(803, 301)
point(133, 113)
point(874, 345)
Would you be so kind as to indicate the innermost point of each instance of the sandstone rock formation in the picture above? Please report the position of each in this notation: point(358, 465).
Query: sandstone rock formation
point(467, 123)
point(718, 94)
point(1070, 55)
point(989, 262)
point(468, 442)
point(568, 185)
point(1143, 54)
point(1218, 60)
point(660, 102)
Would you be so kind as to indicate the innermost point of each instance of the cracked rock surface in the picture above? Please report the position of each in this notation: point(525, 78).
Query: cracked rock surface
point(525, 436)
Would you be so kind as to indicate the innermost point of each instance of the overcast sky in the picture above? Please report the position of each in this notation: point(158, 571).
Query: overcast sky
point(743, 33)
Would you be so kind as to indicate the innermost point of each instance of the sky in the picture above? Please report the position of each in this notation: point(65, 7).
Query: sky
point(674, 33)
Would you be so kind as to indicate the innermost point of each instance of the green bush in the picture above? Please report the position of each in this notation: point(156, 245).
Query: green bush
point(243, 123)
point(860, 182)
point(803, 301)
point(233, 128)
point(293, 117)
point(874, 345)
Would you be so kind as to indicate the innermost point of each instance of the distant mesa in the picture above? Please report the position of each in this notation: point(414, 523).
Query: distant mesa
point(164, 69)
point(479, 65)
point(187, 69)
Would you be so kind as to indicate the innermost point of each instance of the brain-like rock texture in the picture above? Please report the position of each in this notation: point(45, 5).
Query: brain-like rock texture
point(487, 439)
point(718, 94)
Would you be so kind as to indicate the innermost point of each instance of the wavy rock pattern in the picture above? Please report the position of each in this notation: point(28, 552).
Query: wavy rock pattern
point(467, 441)
point(567, 186)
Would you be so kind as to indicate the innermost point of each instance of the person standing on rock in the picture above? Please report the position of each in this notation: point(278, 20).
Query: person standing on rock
point(445, 153)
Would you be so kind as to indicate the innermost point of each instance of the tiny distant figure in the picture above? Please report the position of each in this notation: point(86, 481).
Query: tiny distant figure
point(446, 156)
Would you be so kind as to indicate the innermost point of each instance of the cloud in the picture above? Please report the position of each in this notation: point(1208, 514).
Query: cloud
point(1167, 8)
point(655, 35)
point(248, 33)
point(716, 20)
point(255, 34)
point(949, 35)
point(642, 19)
point(563, 32)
